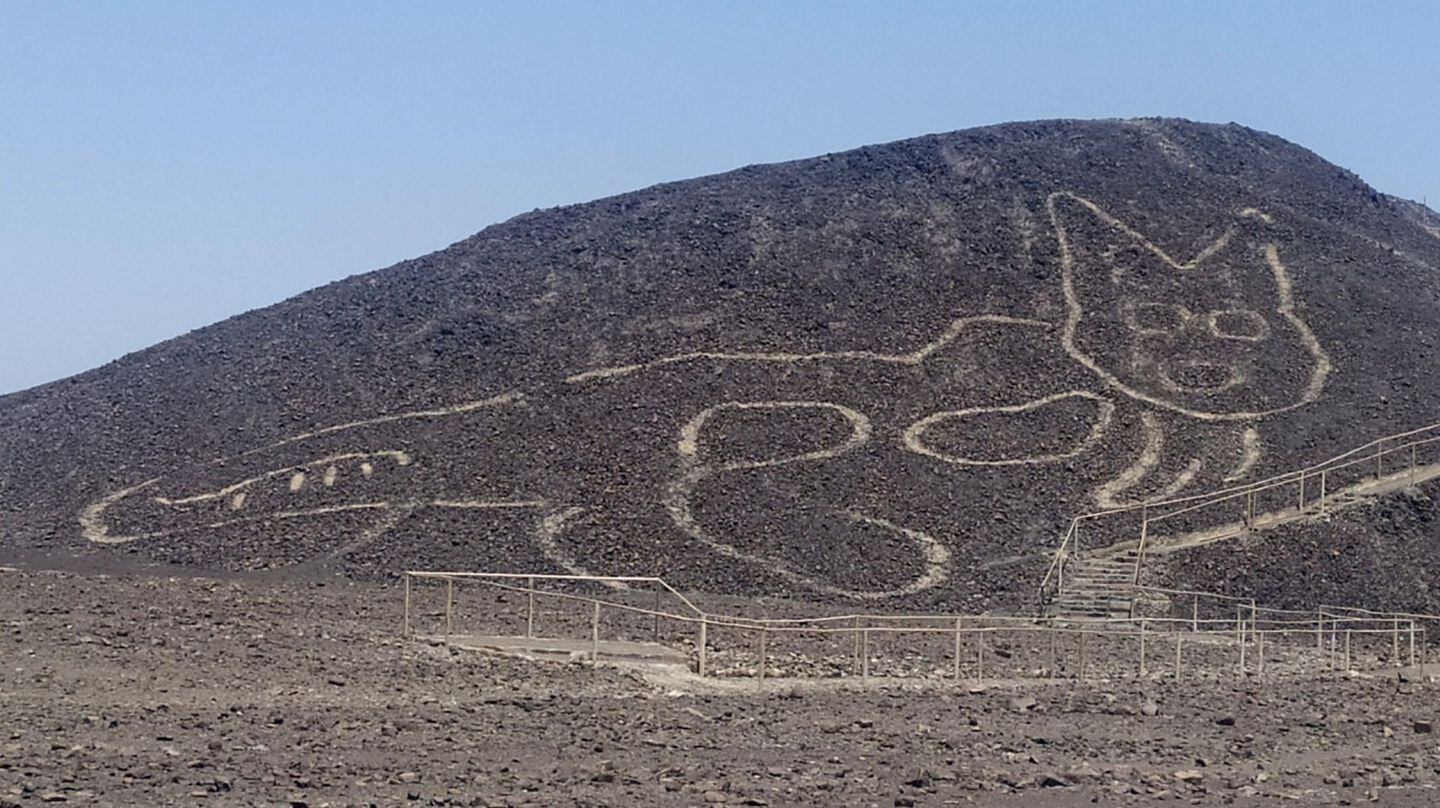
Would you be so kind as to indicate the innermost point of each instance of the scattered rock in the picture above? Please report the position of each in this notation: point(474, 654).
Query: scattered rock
point(1189, 775)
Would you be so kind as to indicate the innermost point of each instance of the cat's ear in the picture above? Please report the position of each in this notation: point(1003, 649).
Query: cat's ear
point(1094, 241)
point(1100, 251)
point(1253, 262)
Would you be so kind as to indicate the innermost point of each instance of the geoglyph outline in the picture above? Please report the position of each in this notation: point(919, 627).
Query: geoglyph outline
point(1284, 288)
point(936, 555)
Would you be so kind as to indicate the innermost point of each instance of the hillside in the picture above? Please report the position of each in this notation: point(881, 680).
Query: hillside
point(873, 375)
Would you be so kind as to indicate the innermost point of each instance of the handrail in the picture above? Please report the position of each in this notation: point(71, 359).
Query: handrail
point(624, 579)
point(1057, 564)
point(1196, 502)
point(1252, 627)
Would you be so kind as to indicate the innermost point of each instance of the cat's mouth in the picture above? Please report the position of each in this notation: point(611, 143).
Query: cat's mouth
point(1200, 377)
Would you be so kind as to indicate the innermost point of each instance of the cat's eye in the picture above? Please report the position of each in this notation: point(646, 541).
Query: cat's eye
point(1156, 318)
point(1245, 325)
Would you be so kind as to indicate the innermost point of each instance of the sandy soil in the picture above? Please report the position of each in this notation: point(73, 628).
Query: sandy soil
point(146, 690)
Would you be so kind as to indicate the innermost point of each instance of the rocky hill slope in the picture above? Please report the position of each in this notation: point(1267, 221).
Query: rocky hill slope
point(874, 375)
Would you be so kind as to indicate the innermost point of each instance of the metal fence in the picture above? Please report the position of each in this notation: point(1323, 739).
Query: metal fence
point(1396, 460)
point(1198, 636)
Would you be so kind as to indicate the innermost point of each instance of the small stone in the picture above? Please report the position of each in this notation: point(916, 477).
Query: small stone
point(1149, 708)
point(715, 797)
point(1424, 727)
point(409, 777)
point(1021, 704)
point(1226, 721)
point(53, 796)
point(1189, 776)
point(338, 681)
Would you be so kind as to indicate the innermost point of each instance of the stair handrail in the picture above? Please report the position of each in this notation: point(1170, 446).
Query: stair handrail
point(1285, 477)
point(1376, 448)
point(1056, 571)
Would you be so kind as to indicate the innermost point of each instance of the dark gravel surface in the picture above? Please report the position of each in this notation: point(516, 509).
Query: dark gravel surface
point(870, 253)
point(142, 690)
point(1381, 555)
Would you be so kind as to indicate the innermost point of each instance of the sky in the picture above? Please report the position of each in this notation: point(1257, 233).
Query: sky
point(164, 165)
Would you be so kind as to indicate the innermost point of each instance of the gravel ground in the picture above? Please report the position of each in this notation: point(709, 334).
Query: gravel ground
point(138, 689)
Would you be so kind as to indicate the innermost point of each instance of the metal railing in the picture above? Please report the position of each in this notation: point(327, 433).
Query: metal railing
point(1233, 636)
point(1229, 512)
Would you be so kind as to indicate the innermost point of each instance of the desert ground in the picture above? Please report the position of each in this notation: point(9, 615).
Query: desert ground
point(160, 688)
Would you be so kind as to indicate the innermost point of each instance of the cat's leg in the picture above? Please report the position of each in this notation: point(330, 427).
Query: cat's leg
point(1181, 458)
point(1192, 479)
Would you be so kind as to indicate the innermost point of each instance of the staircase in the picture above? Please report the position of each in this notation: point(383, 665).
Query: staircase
point(1096, 587)
point(1100, 582)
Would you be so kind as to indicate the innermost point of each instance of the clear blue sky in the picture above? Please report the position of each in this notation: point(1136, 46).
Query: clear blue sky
point(164, 165)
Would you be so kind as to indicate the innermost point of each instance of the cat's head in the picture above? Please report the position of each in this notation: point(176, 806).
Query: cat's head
point(1213, 334)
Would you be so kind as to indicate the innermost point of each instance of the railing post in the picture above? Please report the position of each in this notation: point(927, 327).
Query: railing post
point(864, 654)
point(1322, 492)
point(1347, 650)
point(957, 649)
point(1060, 572)
point(407, 604)
point(856, 650)
point(1195, 614)
point(1301, 506)
point(1412, 643)
point(1412, 465)
point(1335, 643)
point(764, 632)
point(530, 607)
point(449, 606)
point(704, 641)
point(1259, 653)
point(1179, 638)
point(1379, 453)
point(595, 635)
point(1142, 648)
point(1054, 657)
point(1395, 641)
point(656, 631)
point(1140, 555)
point(1319, 630)
point(1240, 638)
